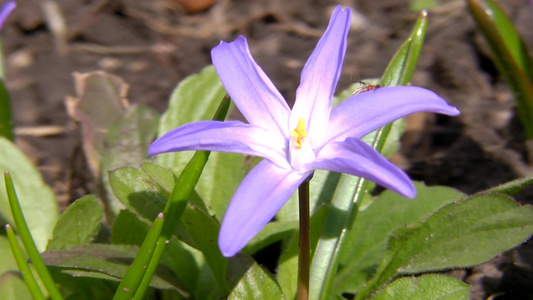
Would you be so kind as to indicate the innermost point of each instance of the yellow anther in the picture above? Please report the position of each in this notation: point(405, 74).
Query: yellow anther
point(299, 133)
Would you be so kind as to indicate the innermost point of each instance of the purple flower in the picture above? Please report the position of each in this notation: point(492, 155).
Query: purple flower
point(5, 11)
point(295, 143)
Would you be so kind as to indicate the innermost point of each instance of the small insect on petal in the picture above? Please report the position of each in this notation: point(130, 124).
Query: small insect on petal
point(366, 88)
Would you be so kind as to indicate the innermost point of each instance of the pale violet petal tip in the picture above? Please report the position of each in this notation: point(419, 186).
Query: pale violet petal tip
point(355, 157)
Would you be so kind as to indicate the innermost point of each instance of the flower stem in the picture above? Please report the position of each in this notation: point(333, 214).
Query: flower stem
point(303, 254)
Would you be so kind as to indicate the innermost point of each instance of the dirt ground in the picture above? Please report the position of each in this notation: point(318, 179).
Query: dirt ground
point(154, 44)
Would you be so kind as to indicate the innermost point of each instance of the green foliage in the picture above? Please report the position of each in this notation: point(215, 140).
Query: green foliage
point(350, 191)
point(195, 99)
point(36, 198)
point(427, 287)
point(366, 242)
point(460, 234)
point(78, 224)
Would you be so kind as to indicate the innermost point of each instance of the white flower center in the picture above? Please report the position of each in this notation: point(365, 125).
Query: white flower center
point(300, 150)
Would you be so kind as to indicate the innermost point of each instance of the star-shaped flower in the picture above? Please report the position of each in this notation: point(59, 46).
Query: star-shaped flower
point(295, 143)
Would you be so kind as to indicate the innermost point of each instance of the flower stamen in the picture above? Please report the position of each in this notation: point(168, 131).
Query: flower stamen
point(299, 133)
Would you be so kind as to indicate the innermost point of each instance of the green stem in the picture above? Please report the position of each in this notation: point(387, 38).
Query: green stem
point(303, 251)
point(27, 240)
point(24, 268)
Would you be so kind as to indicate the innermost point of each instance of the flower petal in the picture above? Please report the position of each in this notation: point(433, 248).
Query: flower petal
point(259, 197)
point(320, 76)
point(252, 91)
point(230, 136)
point(368, 111)
point(355, 157)
point(5, 11)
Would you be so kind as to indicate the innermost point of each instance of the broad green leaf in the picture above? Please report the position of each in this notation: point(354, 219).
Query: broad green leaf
point(460, 234)
point(110, 260)
point(510, 55)
point(137, 192)
point(99, 103)
point(126, 144)
point(196, 99)
point(427, 287)
point(512, 187)
point(12, 287)
point(144, 197)
point(78, 225)
point(352, 190)
point(366, 242)
point(204, 231)
point(161, 175)
point(85, 285)
point(253, 281)
point(36, 198)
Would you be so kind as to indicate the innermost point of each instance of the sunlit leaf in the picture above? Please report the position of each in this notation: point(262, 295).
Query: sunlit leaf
point(427, 287)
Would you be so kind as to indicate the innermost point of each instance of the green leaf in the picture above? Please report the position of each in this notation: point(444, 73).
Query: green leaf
point(195, 99)
point(272, 232)
point(512, 187)
point(78, 225)
point(126, 144)
point(509, 53)
point(184, 260)
point(179, 197)
point(23, 266)
point(161, 175)
point(12, 287)
point(107, 261)
point(460, 234)
point(7, 261)
point(36, 198)
point(27, 240)
point(142, 196)
point(366, 242)
point(253, 282)
point(204, 231)
point(137, 192)
point(351, 190)
point(427, 287)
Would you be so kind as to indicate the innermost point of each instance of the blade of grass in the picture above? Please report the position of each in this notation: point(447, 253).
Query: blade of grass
point(326, 258)
point(175, 205)
point(24, 268)
point(509, 54)
point(27, 240)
